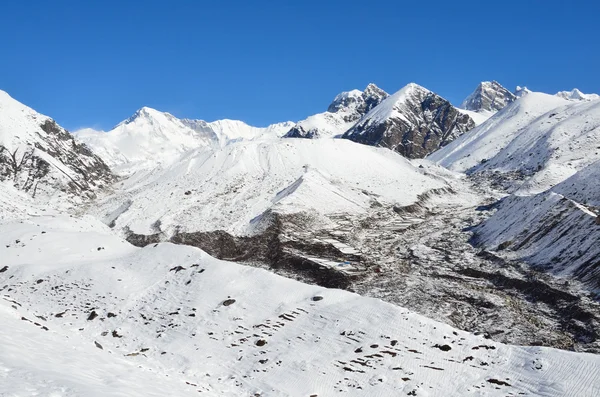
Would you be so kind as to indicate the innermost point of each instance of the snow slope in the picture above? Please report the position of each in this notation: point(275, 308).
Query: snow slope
point(488, 139)
point(556, 231)
point(230, 188)
point(171, 320)
point(552, 147)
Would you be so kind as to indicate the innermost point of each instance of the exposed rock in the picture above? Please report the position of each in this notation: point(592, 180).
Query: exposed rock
point(488, 96)
point(414, 122)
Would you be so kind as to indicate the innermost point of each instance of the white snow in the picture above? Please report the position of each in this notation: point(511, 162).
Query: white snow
point(488, 139)
point(576, 95)
point(231, 187)
point(170, 333)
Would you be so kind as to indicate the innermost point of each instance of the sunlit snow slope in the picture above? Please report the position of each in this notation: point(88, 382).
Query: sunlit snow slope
point(84, 313)
point(228, 189)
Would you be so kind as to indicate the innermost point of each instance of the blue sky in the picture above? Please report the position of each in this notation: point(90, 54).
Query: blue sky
point(93, 63)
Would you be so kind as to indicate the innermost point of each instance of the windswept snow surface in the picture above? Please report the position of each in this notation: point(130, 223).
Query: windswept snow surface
point(489, 138)
point(85, 314)
point(228, 189)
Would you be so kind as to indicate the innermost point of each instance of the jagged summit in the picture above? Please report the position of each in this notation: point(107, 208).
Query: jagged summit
point(346, 109)
point(489, 96)
point(413, 121)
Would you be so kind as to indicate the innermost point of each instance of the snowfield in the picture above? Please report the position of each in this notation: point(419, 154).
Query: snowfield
point(85, 313)
point(230, 188)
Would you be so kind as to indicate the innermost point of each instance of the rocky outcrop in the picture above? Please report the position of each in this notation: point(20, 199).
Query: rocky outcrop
point(45, 158)
point(345, 110)
point(414, 122)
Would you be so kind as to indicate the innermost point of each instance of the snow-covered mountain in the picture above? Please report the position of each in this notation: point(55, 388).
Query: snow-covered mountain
point(85, 313)
point(43, 160)
point(576, 95)
point(539, 138)
point(488, 98)
point(97, 299)
point(345, 110)
point(413, 122)
point(150, 138)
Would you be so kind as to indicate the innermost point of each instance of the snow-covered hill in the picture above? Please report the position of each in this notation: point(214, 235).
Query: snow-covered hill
point(230, 188)
point(45, 161)
point(345, 110)
point(84, 313)
point(413, 122)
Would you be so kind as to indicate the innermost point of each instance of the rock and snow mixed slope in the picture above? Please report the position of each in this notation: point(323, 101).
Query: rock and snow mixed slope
point(539, 137)
point(101, 317)
point(232, 188)
point(488, 98)
point(413, 122)
point(556, 231)
point(152, 138)
point(42, 159)
point(345, 110)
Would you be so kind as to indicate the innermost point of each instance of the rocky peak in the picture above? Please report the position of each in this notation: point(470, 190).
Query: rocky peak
point(43, 159)
point(489, 96)
point(346, 109)
point(345, 100)
point(414, 122)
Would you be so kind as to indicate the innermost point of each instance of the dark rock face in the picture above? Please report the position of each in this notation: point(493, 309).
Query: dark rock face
point(489, 96)
point(77, 171)
point(414, 125)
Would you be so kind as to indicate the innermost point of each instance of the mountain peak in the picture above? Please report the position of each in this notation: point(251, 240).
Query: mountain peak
point(576, 95)
point(489, 96)
point(521, 91)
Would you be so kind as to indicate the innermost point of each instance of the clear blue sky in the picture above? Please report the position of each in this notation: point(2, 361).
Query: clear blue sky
point(93, 63)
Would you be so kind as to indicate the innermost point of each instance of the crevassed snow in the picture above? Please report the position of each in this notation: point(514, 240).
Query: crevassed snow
point(171, 320)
